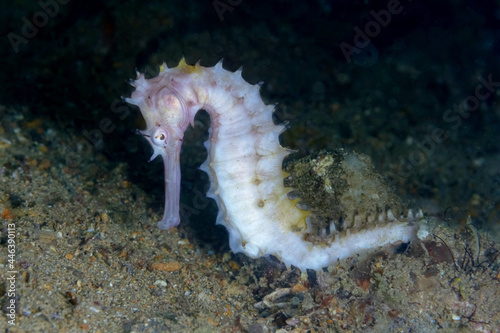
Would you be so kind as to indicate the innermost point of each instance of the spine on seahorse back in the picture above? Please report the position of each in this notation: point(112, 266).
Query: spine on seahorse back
point(244, 163)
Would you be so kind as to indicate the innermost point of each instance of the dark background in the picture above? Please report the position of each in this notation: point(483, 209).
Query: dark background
point(73, 70)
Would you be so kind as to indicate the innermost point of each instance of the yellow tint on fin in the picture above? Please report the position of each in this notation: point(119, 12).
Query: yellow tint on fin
point(188, 68)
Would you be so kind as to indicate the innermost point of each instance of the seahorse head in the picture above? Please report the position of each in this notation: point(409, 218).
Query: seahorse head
point(167, 118)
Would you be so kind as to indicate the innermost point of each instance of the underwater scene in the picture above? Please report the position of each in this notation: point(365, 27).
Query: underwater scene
point(250, 166)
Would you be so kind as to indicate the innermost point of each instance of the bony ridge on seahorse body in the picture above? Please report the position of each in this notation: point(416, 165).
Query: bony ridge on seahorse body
point(244, 165)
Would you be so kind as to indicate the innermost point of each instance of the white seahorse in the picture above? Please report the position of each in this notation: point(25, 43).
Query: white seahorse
point(244, 165)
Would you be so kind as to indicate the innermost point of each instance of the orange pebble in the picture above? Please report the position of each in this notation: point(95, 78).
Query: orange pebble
point(234, 265)
point(166, 266)
point(298, 288)
point(7, 214)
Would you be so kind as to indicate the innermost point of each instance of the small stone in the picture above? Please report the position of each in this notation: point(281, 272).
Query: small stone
point(256, 328)
point(71, 298)
point(44, 165)
point(34, 123)
point(105, 217)
point(160, 283)
point(43, 149)
point(234, 265)
point(7, 214)
point(298, 288)
point(69, 256)
point(166, 266)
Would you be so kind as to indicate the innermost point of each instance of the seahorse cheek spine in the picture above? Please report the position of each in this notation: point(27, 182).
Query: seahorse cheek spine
point(244, 165)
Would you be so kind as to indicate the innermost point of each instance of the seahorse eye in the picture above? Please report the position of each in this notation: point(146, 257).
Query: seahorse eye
point(160, 137)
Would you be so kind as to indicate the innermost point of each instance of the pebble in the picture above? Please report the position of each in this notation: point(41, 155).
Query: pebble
point(166, 266)
point(160, 283)
point(298, 288)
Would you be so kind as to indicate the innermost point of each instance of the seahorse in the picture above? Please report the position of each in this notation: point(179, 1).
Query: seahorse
point(244, 165)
